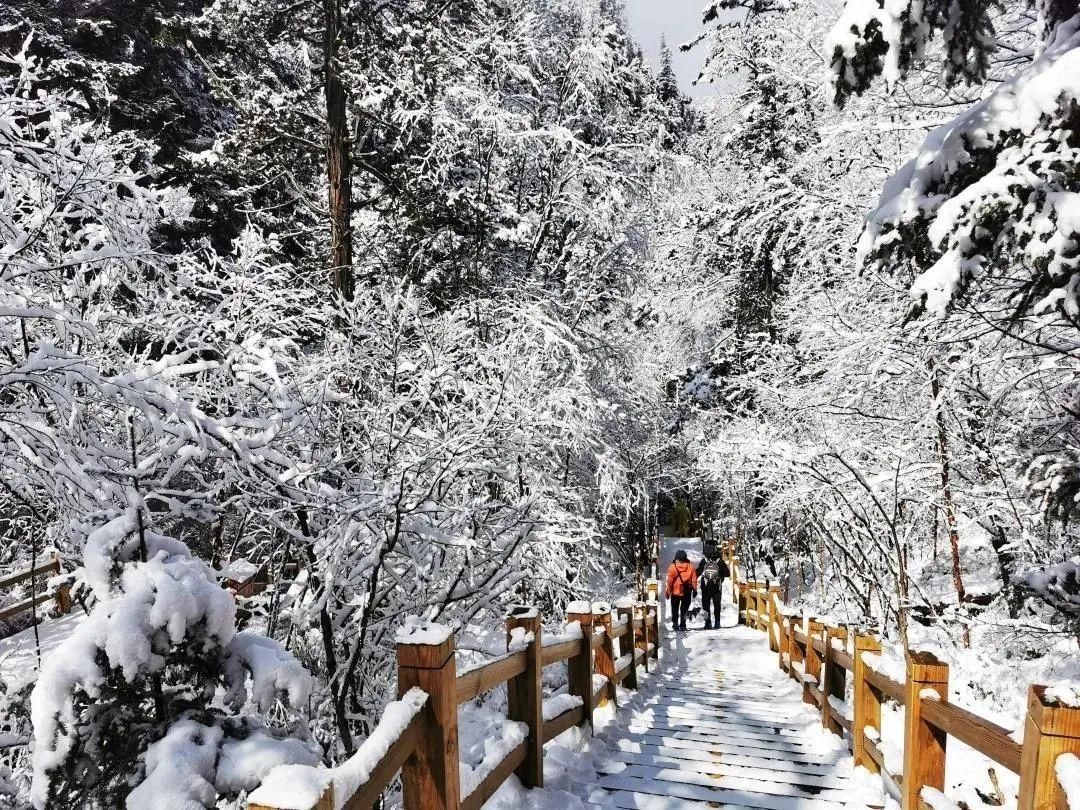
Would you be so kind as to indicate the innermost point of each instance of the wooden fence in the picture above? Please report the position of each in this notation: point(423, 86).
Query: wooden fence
point(62, 594)
point(610, 646)
point(825, 659)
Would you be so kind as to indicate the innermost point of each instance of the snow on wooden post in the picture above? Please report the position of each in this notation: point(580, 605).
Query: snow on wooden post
point(812, 662)
point(773, 613)
point(641, 637)
point(627, 643)
point(652, 591)
point(525, 697)
point(1052, 728)
point(605, 653)
point(924, 743)
point(867, 703)
point(835, 681)
point(654, 610)
point(425, 656)
point(579, 668)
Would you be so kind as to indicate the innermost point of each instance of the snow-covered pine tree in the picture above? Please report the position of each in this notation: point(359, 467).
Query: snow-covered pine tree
point(156, 700)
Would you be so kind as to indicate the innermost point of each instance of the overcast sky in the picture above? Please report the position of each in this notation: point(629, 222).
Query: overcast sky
point(679, 21)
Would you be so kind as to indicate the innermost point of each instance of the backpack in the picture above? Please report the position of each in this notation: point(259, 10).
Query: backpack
point(710, 574)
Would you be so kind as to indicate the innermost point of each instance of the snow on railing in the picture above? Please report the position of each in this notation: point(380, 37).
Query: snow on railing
point(489, 745)
point(817, 655)
point(560, 704)
point(291, 786)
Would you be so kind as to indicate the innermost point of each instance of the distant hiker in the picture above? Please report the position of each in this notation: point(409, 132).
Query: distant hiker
point(712, 571)
point(682, 583)
point(680, 519)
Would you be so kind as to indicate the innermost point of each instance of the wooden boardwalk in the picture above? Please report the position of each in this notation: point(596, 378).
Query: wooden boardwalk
point(703, 736)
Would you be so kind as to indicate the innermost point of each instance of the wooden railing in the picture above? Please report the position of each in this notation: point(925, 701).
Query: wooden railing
point(419, 736)
point(824, 659)
point(62, 594)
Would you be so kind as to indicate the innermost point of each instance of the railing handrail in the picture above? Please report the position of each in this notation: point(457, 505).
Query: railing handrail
point(806, 651)
point(626, 637)
point(62, 595)
point(18, 577)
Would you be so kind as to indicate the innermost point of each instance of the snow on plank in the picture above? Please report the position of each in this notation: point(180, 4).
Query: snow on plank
point(747, 758)
point(714, 796)
point(714, 781)
point(717, 767)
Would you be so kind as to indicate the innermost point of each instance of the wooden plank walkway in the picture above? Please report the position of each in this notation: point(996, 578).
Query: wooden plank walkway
point(706, 736)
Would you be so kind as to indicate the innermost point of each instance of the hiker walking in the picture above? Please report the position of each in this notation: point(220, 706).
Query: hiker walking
point(682, 584)
point(712, 571)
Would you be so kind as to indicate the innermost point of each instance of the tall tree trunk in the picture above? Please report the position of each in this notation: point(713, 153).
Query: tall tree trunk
point(338, 166)
point(946, 491)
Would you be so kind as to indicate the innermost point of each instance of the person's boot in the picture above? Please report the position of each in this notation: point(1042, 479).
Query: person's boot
point(708, 625)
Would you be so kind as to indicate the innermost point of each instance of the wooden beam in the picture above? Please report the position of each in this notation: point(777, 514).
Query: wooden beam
point(987, 738)
point(579, 669)
point(367, 795)
point(867, 703)
point(430, 778)
point(493, 781)
point(1050, 730)
point(557, 725)
point(605, 656)
point(475, 682)
point(924, 743)
point(525, 695)
point(835, 679)
point(627, 645)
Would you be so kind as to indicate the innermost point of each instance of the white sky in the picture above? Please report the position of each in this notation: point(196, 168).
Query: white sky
point(679, 21)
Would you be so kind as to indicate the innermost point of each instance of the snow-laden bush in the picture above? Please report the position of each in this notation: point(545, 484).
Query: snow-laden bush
point(155, 682)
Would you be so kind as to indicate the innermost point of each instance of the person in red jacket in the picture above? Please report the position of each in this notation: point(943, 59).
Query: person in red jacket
point(682, 585)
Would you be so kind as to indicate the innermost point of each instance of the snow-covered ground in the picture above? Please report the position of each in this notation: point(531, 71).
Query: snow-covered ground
point(19, 652)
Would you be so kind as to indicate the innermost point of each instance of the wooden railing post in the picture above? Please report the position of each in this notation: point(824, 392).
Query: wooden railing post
point(812, 664)
point(1050, 730)
point(924, 744)
point(430, 777)
point(783, 624)
point(579, 669)
point(627, 644)
point(772, 599)
point(735, 589)
point(742, 603)
point(63, 593)
point(652, 591)
point(797, 655)
point(835, 682)
point(525, 697)
point(605, 653)
point(641, 637)
point(654, 605)
point(762, 606)
point(867, 703)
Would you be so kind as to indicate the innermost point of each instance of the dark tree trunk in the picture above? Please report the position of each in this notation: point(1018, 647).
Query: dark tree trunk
point(338, 168)
point(946, 492)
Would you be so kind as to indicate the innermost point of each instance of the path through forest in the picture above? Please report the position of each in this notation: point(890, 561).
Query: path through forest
point(721, 725)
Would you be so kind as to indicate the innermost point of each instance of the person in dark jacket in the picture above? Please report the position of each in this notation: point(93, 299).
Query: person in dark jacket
point(711, 571)
point(682, 584)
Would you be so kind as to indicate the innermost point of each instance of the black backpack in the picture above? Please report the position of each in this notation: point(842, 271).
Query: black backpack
point(710, 574)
